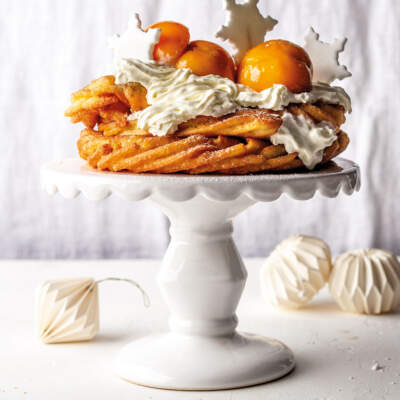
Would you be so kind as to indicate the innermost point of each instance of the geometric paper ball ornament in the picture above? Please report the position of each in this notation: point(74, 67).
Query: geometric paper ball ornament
point(67, 310)
point(295, 271)
point(366, 281)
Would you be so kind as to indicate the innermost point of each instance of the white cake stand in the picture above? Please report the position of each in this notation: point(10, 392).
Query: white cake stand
point(202, 276)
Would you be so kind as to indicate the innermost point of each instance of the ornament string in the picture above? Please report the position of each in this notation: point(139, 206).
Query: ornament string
point(145, 296)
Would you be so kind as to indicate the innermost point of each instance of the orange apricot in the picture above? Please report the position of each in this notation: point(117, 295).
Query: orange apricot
point(205, 58)
point(173, 42)
point(276, 61)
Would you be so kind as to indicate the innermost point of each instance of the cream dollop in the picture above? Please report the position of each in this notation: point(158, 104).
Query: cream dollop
point(279, 96)
point(299, 134)
point(178, 95)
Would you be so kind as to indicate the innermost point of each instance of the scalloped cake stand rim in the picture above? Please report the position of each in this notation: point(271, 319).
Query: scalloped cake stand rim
point(72, 176)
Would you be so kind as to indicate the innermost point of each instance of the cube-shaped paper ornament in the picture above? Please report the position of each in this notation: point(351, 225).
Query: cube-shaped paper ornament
point(67, 310)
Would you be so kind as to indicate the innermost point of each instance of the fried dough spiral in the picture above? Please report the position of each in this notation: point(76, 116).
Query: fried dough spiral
point(236, 143)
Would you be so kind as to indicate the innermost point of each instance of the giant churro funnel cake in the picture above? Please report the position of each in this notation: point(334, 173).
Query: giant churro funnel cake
point(175, 105)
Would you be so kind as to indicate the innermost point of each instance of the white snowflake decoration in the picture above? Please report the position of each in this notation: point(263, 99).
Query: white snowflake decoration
point(325, 58)
point(135, 42)
point(244, 26)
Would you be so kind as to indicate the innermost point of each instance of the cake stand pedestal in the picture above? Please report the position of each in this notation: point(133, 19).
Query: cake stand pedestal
point(202, 276)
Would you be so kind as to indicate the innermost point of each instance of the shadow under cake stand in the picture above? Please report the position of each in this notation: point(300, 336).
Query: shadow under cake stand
point(202, 276)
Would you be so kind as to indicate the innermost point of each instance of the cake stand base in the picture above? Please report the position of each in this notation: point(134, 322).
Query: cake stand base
point(202, 276)
point(182, 362)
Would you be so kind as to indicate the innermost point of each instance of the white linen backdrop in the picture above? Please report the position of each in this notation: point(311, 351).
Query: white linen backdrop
point(50, 48)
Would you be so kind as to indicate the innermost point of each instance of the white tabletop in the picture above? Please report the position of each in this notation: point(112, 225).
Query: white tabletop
point(335, 351)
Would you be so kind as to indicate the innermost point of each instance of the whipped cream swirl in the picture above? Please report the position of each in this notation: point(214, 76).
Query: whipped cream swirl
point(178, 95)
point(298, 134)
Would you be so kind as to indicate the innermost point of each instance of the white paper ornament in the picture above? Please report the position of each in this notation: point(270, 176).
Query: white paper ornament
point(244, 26)
point(135, 42)
point(67, 310)
point(366, 281)
point(325, 58)
point(295, 271)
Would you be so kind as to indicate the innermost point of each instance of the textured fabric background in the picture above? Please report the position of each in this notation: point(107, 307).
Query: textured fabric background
point(51, 47)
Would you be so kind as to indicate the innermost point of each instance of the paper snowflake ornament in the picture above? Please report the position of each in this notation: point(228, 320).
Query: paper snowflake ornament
point(325, 58)
point(366, 281)
point(295, 271)
point(135, 42)
point(67, 310)
point(244, 26)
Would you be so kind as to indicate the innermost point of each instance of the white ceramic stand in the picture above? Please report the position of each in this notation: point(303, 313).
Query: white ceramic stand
point(202, 276)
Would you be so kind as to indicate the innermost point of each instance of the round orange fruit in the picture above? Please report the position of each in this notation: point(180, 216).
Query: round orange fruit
point(173, 42)
point(205, 58)
point(276, 61)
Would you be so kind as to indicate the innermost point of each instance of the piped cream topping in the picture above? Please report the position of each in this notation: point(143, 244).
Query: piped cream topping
point(299, 134)
point(177, 95)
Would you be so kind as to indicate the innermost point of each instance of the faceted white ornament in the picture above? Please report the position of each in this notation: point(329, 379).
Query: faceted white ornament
point(244, 26)
point(67, 310)
point(295, 271)
point(135, 42)
point(325, 58)
point(366, 281)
